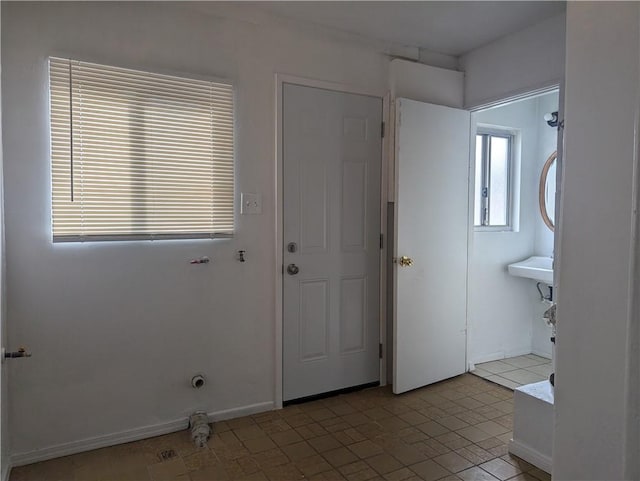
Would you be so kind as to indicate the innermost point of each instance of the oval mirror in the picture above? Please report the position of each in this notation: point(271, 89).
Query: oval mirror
point(547, 191)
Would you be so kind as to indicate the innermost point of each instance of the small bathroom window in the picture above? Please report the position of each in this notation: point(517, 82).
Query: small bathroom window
point(493, 189)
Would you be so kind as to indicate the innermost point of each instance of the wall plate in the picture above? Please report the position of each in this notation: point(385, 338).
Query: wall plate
point(250, 203)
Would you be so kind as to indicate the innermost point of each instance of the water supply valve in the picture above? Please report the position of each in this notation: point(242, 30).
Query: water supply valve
point(21, 352)
point(200, 429)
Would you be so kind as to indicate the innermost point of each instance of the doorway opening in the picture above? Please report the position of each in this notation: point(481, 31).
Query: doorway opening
point(473, 254)
point(511, 244)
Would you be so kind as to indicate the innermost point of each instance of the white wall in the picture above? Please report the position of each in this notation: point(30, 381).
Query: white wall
point(595, 347)
point(438, 59)
point(426, 83)
point(107, 321)
point(515, 64)
point(544, 238)
point(547, 144)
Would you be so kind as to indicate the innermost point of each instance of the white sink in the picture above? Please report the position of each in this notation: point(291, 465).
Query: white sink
point(537, 268)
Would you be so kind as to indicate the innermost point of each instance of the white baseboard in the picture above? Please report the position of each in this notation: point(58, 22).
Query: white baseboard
point(530, 455)
point(546, 355)
point(487, 358)
point(74, 447)
point(499, 356)
point(241, 411)
point(6, 470)
point(518, 352)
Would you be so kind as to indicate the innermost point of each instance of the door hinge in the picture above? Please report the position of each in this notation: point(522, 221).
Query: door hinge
point(382, 129)
point(381, 241)
point(380, 351)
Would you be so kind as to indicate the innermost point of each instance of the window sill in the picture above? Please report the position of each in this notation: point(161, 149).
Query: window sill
point(505, 229)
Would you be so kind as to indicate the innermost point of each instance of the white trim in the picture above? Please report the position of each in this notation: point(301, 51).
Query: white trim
point(393, 187)
point(515, 96)
point(281, 79)
point(500, 356)
point(537, 352)
point(530, 455)
point(6, 470)
point(632, 390)
point(513, 138)
point(74, 447)
point(327, 85)
point(279, 267)
point(471, 186)
point(241, 411)
point(384, 199)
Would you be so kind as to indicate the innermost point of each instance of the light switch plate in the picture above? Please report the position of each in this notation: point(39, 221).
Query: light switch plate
point(250, 203)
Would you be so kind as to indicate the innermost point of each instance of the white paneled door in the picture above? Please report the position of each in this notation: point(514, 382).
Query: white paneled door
point(332, 152)
point(432, 216)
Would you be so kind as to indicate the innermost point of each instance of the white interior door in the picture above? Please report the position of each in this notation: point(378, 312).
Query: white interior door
point(332, 153)
point(432, 225)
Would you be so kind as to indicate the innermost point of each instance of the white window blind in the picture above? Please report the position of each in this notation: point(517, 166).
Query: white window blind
point(138, 155)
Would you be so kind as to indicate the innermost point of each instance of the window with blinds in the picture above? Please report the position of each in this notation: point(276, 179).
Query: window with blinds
point(137, 155)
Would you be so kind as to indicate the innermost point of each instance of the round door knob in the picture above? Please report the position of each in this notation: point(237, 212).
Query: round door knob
point(292, 269)
point(406, 261)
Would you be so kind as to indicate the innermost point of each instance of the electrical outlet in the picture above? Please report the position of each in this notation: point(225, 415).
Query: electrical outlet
point(250, 203)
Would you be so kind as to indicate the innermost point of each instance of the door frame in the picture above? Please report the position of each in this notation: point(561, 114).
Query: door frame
point(384, 95)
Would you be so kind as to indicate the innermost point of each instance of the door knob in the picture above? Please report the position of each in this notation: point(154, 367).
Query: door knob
point(405, 261)
point(292, 269)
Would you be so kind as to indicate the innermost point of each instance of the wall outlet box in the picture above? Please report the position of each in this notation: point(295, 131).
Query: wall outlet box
point(250, 203)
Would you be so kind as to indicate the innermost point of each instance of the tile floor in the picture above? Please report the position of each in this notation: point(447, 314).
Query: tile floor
point(453, 430)
point(514, 372)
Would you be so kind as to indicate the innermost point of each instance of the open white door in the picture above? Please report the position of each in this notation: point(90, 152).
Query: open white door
point(432, 225)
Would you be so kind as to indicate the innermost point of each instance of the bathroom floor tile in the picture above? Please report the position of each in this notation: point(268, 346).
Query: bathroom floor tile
point(496, 367)
point(446, 431)
point(542, 369)
point(480, 372)
point(523, 361)
point(535, 357)
point(523, 376)
point(503, 381)
point(516, 371)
